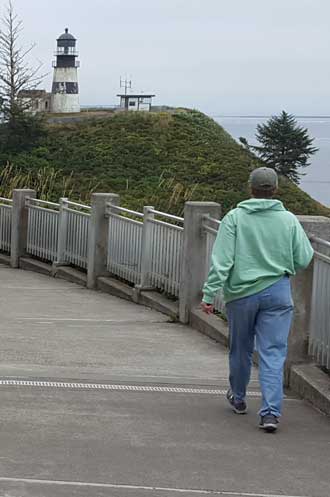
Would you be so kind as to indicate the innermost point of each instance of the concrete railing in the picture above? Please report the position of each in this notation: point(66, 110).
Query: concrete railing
point(153, 250)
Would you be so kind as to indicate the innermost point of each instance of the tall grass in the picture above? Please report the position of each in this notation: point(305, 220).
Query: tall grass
point(176, 194)
point(49, 183)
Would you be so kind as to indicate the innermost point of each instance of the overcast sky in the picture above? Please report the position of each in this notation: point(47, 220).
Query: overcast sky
point(226, 57)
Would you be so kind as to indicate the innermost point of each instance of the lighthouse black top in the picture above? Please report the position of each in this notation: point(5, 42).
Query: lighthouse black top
point(66, 36)
point(66, 52)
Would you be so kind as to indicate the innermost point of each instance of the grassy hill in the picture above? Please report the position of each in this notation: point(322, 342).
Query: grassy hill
point(160, 159)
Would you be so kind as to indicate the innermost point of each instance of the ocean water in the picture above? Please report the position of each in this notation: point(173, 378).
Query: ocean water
point(317, 180)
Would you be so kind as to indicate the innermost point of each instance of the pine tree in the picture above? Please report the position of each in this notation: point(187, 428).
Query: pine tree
point(19, 129)
point(285, 146)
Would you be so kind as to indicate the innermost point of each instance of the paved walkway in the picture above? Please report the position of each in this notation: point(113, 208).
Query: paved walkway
point(100, 397)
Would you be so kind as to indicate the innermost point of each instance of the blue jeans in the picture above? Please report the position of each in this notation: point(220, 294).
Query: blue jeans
point(264, 318)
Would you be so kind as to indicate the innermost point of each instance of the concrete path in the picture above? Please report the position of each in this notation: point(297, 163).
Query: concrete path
point(100, 397)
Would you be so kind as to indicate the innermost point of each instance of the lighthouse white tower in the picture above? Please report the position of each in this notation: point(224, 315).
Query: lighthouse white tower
point(65, 90)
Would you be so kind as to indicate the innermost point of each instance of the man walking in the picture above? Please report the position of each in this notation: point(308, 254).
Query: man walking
point(259, 246)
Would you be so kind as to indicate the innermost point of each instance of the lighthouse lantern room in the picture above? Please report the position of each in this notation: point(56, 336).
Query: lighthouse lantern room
point(65, 90)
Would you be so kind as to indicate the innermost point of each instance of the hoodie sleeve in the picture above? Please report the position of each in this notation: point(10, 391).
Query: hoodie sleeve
point(222, 259)
point(302, 249)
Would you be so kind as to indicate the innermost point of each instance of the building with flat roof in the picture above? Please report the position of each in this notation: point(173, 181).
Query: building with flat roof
point(136, 102)
point(35, 100)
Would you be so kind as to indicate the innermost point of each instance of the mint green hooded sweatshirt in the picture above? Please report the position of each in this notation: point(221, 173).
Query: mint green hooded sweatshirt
point(257, 244)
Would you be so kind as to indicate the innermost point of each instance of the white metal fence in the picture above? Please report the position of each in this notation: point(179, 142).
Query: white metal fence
point(58, 232)
point(319, 340)
point(124, 256)
point(5, 223)
point(211, 227)
point(42, 234)
point(144, 249)
point(165, 240)
point(73, 233)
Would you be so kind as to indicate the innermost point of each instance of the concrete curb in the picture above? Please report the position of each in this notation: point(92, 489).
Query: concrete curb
point(150, 299)
point(63, 272)
point(311, 384)
point(115, 287)
point(34, 265)
point(70, 274)
point(210, 325)
point(5, 259)
point(160, 303)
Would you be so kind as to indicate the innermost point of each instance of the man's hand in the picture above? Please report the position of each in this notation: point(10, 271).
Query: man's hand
point(207, 308)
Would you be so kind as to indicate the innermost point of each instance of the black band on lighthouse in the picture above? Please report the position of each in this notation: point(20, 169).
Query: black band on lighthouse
point(67, 88)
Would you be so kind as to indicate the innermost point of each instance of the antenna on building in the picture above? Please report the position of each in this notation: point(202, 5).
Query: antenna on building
point(125, 83)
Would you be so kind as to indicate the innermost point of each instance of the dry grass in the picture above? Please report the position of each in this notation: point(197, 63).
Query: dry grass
point(50, 184)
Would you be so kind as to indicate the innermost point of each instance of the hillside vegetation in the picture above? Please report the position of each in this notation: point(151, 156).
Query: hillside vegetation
point(160, 159)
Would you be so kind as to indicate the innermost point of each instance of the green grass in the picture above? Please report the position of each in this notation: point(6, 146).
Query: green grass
point(160, 159)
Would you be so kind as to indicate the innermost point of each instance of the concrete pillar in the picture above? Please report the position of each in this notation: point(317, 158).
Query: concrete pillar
point(98, 236)
point(194, 255)
point(302, 288)
point(19, 225)
point(146, 246)
point(62, 231)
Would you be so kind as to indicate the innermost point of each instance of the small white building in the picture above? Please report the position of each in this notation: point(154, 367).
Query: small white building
point(35, 101)
point(136, 102)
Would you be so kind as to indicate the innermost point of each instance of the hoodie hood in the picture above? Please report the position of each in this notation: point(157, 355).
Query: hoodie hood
point(259, 204)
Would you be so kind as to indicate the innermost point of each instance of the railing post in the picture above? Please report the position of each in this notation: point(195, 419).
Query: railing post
point(19, 225)
point(98, 236)
point(62, 230)
point(194, 255)
point(146, 247)
point(302, 289)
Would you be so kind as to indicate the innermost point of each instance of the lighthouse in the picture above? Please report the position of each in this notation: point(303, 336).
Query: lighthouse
point(65, 90)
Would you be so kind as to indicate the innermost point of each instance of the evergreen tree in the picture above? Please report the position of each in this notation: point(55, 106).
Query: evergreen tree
point(284, 145)
point(19, 129)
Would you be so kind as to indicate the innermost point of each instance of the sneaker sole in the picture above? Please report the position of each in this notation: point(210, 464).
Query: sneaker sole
point(236, 411)
point(269, 428)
